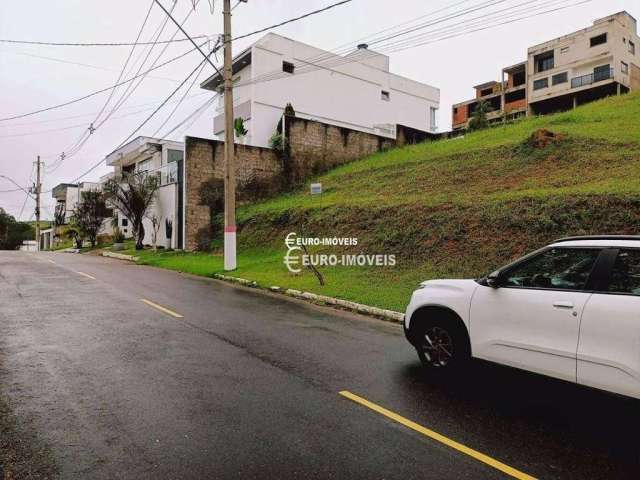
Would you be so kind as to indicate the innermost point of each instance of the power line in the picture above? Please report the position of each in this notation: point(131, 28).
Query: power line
point(96, 165)
point(97, 92)
point(96, 44)
point(206, 57)
point(328, 7)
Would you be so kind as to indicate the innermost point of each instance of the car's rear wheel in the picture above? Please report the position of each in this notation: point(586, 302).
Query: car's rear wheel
point(442, 345)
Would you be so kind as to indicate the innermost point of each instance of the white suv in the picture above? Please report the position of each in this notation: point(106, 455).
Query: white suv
point(570, 310)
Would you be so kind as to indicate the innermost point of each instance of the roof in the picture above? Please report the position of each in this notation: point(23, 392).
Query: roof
point(486, 85)
point(628, 241)
point(242, 60)
point(516, 67)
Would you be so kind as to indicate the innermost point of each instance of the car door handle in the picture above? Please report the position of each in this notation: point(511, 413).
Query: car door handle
point(562, 304)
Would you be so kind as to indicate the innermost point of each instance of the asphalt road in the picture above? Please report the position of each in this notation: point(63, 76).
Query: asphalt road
point(244, 384)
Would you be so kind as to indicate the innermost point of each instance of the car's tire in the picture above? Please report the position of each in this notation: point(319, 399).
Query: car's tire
point(442, 344)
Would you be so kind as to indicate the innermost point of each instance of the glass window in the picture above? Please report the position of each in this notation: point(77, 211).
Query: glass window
point(599, 40)
point(144, 166)
point(560, 78)
point(624, 67)
point(632, 48)
point(541, 83)
point(625, 277)
point(174, 156)
point(384, 95)
point(544, 61)
point(557, 268)
point(288, 67)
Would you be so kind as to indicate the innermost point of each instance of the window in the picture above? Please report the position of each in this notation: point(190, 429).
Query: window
point(288, 67)
point(624, 67)
point(125, 222)
point(557, 268)
point(601, 73)
point(625, 277)
point(598, 40)
point(144, 166)
point(519, 78)
point(544, 61)
point(486, 91)
point(384, 95)
point(541, 83)
point(560, 78)
point(455, 110)
point(632, 48)
point(174, 156)
point(433, 118)
point(564, 49)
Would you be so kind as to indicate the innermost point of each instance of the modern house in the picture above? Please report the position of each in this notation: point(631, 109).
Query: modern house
point(355, 91)
point(67, 196)
point(163, 158)
point(598, 61)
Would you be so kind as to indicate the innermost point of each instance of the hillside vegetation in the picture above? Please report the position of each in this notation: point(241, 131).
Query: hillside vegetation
point(451, 208)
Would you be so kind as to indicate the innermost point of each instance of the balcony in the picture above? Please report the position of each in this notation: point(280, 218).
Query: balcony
point(591, 78)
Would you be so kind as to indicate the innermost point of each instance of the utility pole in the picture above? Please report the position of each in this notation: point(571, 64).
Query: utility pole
point(229, 154)
point(38, 188)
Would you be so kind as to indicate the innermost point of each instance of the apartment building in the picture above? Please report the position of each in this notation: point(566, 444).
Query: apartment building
point(355, 91)
point(598, 61)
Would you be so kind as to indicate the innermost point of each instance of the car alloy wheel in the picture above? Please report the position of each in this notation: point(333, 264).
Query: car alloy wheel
point(437, 346)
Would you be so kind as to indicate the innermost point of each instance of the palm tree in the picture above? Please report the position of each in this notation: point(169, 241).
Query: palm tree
point(479, 117)
point(133, 195)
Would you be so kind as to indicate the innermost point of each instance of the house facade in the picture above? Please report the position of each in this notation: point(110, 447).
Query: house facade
point(355, 91)
point(598, 61)
point(164, 158)
point(67, 196)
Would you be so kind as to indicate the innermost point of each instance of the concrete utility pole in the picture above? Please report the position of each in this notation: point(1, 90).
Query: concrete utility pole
point(38, 188)
point(229, 153)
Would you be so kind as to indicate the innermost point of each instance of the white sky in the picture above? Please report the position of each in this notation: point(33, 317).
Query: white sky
point(28, 83)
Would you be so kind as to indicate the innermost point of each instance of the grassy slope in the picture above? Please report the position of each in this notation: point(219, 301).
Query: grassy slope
point(451, 208)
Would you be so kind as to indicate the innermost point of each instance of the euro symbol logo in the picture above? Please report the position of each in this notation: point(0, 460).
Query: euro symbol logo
point(292, 258)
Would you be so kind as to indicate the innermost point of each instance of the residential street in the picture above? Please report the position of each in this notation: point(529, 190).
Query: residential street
point(133, 372)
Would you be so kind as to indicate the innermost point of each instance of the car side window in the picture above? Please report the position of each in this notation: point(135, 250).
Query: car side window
point(625, 277)
point(557, 268)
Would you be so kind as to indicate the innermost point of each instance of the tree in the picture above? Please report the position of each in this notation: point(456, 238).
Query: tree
point(155, 227)
point(12, 232)
point(133, 195)
point(479, 116)
point(74, 235)
point(90, 214)
point(59, 219)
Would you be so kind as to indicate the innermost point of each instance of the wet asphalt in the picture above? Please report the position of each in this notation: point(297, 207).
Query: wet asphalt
point(245, 385)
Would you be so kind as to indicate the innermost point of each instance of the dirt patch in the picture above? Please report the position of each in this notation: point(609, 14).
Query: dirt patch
point(542, 138)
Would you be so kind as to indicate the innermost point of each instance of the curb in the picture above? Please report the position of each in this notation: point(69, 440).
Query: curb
point(388, 315)
point(120, 256)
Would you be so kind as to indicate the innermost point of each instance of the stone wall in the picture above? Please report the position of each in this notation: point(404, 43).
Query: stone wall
point(312, 148)
point(204, 160)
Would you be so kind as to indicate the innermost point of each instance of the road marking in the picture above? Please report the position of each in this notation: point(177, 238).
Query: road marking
point(481, 457)
point(86, 275)
point(49, 260)
point(161, 308)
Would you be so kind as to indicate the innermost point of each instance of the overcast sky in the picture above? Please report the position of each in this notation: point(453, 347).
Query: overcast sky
point(28, 81)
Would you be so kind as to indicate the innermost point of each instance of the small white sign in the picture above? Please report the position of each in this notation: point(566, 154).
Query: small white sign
point(316, 188)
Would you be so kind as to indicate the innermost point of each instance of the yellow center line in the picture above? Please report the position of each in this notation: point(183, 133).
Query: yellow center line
point(161, 308)
point(481, 457)
point(86, 275)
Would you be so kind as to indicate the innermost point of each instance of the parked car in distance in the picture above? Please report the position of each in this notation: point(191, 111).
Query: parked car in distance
point(570, 310)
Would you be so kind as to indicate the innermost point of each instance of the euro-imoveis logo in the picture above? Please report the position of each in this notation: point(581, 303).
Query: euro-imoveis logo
point(296, 257)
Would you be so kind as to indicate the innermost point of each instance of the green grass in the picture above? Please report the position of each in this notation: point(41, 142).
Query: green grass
point(451, 208)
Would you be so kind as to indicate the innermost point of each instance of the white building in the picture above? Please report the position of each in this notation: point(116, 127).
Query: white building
point(68, 195)
point(165, 159)
point(355, 91)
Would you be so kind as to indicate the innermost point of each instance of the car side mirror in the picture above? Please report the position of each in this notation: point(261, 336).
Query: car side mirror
point(494, 279)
